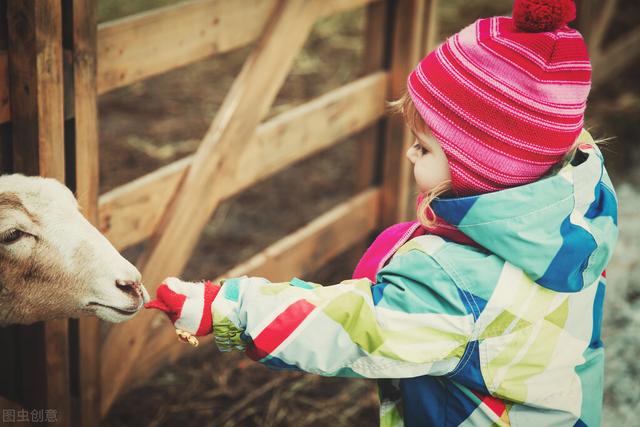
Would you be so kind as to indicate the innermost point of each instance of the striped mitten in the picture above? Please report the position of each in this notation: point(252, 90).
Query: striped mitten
point(187, 304)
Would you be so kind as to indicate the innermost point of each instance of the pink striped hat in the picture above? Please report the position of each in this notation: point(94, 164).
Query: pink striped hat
point(505, 97)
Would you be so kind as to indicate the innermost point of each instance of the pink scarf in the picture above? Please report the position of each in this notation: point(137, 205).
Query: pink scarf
point(390, 240)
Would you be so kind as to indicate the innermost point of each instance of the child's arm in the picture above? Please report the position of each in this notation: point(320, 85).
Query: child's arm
point(412, 322)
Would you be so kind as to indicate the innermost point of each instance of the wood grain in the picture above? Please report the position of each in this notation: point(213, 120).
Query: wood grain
point(35, 72)
point(149, 43)
point(215, 160)
point(407, 48)
point(146, 44)
point(5, 110)
point(86, 177)
point(130, 213)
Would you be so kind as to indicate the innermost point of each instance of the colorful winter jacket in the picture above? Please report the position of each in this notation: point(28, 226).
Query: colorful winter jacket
point(459, 335)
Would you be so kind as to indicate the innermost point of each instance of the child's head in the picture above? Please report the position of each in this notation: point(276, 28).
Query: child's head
point(504, 99)
point(430, 164)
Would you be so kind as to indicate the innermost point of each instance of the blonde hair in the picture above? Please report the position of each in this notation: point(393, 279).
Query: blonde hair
point(405, 106)
point(583, 139)
point(426, 215)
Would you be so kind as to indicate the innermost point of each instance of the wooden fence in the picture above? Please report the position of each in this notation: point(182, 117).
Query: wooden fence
point(55, 61)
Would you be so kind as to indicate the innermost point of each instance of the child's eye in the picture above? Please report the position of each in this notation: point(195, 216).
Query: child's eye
point(423, 150)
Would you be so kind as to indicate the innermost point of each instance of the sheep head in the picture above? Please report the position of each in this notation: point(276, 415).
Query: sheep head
point(54, 263)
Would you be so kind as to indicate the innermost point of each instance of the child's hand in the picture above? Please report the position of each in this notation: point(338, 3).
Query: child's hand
point(187, 304)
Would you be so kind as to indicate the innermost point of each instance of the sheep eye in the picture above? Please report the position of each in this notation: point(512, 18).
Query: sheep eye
point(12, 236)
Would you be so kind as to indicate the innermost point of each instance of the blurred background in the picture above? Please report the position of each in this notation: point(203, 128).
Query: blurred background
point(161, 119)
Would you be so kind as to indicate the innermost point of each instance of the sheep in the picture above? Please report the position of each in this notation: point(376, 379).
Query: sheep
point(54, 263)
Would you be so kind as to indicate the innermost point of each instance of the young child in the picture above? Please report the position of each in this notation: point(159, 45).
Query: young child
point(487, 310)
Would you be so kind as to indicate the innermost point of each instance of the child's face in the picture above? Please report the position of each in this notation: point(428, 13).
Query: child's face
point(430, 164)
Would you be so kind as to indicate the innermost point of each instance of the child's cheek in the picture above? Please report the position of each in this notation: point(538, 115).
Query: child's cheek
point(424, 179)
point(429, 172)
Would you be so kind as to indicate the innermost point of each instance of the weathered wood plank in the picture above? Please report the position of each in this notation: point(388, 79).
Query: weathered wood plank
point(140, 46)
point(35, 72)
point(86, 177)
point(85, 106)
point(130, 213)
point(375, 43)
point(407, 48)
point(6, 148)
point(35, 69)
point(431, 32)
point(295, 255)
point(5, 111)
point(149, 43)
point(216, 159)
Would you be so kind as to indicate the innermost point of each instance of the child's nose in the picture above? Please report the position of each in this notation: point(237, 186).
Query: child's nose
point(411, 154)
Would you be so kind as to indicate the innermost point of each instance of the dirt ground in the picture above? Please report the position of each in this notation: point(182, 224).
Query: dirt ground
point(162, 119)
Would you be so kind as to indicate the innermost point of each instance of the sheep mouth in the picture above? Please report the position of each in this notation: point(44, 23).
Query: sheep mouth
point(124, 312)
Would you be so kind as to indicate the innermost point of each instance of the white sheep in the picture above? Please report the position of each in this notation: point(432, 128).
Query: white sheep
point(54, 263)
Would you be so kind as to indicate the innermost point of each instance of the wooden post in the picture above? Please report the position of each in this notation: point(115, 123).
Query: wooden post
point(35, 71)
point(369, 141)
point(84, 168)
point(375, 47)
point(431, 32)
point(6, 155)
point(407, 48)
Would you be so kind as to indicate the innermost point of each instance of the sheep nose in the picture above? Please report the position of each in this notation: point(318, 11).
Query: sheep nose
point(130, 287)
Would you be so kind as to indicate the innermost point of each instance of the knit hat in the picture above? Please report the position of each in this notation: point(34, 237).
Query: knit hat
point(505, 97)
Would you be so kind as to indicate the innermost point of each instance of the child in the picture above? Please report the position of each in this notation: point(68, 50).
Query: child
point(487, 311)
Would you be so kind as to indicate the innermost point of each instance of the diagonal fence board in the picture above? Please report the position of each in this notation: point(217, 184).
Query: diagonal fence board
point(247, 102)
point(146, 44)
point(130, 213)
point(297, 254)
point(188, 188)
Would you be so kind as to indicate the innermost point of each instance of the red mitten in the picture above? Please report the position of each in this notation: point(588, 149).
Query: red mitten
point(187, 304)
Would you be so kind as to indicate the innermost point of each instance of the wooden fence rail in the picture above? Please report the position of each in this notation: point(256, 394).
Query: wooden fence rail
point(297, 254)
point(169, 207)
point(129, 214)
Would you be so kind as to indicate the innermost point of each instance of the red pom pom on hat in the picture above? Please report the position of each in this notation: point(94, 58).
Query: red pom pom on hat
point(535, 16)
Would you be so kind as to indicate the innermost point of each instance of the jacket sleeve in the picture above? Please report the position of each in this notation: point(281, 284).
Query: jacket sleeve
point(411, 322)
